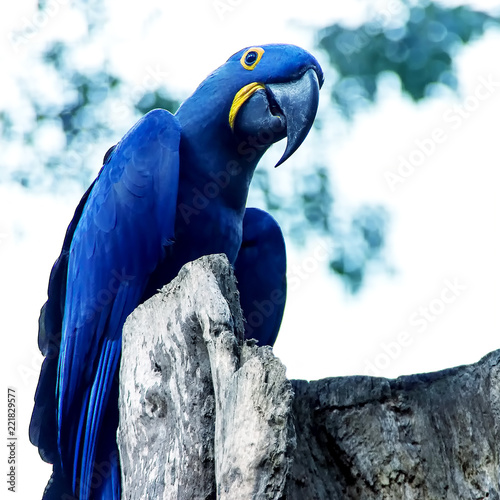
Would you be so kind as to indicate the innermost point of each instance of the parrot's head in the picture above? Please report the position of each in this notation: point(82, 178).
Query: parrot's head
point(278, 94)
point(261, 95)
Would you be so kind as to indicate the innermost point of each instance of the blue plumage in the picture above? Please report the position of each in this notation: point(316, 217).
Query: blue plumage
point(261, 261)
point(173, 189)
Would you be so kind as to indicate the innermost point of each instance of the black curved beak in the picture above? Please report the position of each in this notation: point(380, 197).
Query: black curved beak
point(298, 101)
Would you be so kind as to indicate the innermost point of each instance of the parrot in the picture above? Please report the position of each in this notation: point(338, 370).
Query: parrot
point(173, 189)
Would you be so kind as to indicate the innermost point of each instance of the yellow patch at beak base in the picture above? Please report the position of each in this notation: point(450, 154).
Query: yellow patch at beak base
point(240, 98)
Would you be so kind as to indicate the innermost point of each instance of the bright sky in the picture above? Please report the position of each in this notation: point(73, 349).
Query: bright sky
point(440, 307)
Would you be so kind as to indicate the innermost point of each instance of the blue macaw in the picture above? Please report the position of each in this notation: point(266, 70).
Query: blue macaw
point(172, 190)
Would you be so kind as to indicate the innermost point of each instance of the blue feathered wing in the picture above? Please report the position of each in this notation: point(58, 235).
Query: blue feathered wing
point(260, 269)
point(118, 239)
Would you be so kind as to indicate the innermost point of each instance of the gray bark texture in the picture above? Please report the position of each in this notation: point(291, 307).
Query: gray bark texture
point(207, 415)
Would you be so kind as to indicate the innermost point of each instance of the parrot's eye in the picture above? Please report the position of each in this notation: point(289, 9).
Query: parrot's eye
point(251, 57)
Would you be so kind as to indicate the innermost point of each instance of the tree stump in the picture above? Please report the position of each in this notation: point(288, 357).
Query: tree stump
point(207, 415)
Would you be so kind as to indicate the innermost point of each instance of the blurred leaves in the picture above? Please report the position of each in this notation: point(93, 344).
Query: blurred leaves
point(73, 111)
point(356, 241)
point(362, 244)
point(53, 137)
point(416, 43)
point(311, 199)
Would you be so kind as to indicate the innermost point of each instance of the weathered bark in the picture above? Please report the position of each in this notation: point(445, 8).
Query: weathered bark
point(204, 414)
point(430, 436)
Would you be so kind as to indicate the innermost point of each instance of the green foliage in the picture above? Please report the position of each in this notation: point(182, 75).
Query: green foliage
point(311, 199)
point(419, 49)
point(417, 43)
point(361, 246)
point(94, 106)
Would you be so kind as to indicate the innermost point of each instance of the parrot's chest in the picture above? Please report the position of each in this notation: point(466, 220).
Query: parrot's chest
point(204, 225)
point(214, 229)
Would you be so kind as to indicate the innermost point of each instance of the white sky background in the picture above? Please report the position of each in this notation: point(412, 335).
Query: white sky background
point(445, 216)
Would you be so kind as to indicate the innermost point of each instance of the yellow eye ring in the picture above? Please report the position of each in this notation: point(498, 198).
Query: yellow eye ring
point(251, 57)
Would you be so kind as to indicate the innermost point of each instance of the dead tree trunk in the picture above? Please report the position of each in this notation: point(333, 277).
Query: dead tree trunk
point(205, 415)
